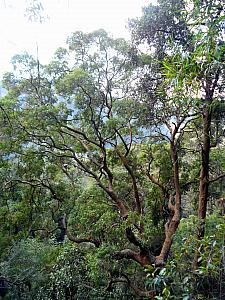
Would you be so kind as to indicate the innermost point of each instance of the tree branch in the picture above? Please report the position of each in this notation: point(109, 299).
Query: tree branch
point(76, 239)
point(217, 178)
point(133, 179)
point(139, 292)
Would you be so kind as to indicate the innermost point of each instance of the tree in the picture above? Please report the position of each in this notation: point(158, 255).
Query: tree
point(81, 124)
point(115, 140)
point(186, 38)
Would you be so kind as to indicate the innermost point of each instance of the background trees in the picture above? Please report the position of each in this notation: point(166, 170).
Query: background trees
point(111, 148)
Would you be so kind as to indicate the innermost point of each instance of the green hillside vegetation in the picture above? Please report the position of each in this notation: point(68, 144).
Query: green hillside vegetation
point(113, 163)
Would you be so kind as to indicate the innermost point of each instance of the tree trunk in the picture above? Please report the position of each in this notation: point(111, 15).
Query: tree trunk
point(204, 174)
point(175, 210)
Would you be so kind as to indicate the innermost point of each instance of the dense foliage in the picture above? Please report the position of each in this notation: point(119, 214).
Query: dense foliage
point(113, 163)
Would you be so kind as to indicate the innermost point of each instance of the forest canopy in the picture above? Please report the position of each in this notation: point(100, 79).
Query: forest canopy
point(113, 162)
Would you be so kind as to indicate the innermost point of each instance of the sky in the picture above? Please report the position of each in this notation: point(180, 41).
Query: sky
point(17, 34)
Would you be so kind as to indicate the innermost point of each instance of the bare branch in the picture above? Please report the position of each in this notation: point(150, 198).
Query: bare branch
point(77, 239)
point(217, 178)
point(158, 183)
point(134, 180)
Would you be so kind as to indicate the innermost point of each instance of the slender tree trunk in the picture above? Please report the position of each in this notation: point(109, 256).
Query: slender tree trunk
point(204, 174)
point(204, 179)
point(210, 87)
